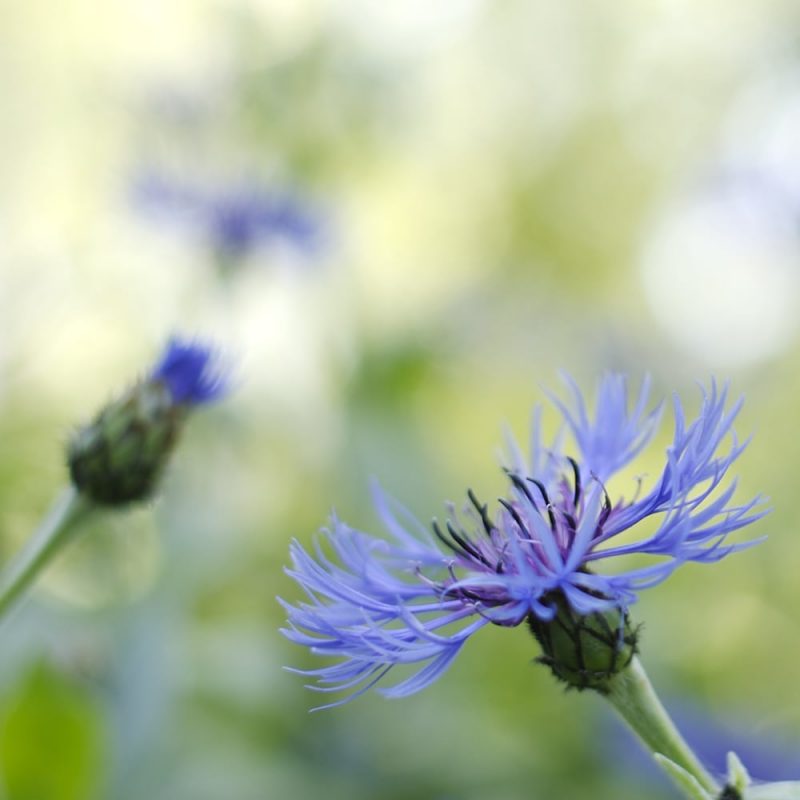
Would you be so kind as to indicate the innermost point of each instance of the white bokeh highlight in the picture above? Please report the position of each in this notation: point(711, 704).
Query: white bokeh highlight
point(721, 273)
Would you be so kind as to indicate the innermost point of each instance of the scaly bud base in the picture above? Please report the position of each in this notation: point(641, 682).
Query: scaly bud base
point(585, 651)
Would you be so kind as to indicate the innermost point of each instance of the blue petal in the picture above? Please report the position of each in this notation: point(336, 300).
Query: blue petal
point(191, 373)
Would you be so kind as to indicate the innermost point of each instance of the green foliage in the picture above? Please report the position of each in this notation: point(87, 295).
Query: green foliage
point(492, 170)
point(51, 744)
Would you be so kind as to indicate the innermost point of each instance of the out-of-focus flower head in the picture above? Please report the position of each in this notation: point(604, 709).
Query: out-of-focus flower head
point(120, 456)
point(549, 556)
point(233, 220)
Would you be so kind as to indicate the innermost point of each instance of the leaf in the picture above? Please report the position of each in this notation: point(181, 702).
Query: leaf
point(50, 740)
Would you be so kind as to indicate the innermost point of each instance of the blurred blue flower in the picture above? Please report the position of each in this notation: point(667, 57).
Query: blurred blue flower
point(234, 220)
point(191, 373)
point(405, 600)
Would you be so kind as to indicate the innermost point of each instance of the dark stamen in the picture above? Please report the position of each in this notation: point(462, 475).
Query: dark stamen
point(540, 486)
point(606, 508)
point(445, 541)
point(470, 595)
point(571, 523)
point(464, 542)
point(577, 481)
point(515, 514)
point(483, 510)
point(459, 545)
point(522, 486)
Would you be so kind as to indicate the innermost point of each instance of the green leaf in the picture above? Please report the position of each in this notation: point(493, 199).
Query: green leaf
point(50, 739)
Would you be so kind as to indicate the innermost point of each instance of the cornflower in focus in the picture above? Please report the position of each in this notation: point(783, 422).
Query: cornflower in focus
point(234, 220)
point(550, 557)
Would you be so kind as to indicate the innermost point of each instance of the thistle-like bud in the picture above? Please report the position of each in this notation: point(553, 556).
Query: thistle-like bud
point(585, 651)
point(120, 456)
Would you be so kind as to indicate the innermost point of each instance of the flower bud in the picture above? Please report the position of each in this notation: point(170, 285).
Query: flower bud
point(120, 456)
point(585, 651)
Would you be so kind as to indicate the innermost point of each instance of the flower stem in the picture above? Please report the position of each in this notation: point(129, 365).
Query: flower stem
point(632, 694)
point(57, 528)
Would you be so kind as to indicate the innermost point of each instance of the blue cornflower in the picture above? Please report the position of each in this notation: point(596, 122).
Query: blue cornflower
point(234, 219)
point(191, 373)
point(416, 597)
point(119, 457)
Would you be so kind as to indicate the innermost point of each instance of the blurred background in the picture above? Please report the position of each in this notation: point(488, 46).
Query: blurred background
point(400, 220)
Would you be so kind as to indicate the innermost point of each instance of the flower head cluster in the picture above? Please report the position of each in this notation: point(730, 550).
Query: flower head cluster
point(234, 220)
point(119, 457)
point(415, 597)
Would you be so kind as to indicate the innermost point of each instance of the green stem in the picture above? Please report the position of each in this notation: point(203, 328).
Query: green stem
point(57, 528)
point(632, 694)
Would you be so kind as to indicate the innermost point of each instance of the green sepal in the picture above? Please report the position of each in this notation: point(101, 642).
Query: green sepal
point(585, 651)
point(740, 787)
point(738, 779)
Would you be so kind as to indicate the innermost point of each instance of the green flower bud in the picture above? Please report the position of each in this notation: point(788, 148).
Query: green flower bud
point(120, 456)
point(585, 651)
